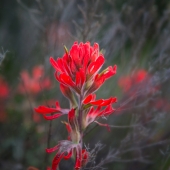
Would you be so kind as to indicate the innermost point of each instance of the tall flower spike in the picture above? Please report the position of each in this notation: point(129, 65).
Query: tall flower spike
point(79, 75)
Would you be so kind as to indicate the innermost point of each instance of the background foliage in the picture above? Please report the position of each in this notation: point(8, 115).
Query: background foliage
point(134, 34)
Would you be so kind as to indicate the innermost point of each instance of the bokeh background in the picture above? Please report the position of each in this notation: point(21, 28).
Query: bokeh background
point(133, 34)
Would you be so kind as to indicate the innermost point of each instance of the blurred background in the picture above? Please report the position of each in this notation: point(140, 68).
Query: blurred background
point(133, 34)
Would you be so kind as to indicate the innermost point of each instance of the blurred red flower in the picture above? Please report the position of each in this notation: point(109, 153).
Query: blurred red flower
point(130, 81)
point(35, 83)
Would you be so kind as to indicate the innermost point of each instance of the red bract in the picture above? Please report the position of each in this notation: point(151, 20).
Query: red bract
point(34, 83)
point(90, 115)
point(93, 114)
point(101, 78)
point(90, 100)
point(78, 74)
point(66, 148)
point(47, 110)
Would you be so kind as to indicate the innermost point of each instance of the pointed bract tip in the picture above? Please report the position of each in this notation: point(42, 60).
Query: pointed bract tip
point(65, 48)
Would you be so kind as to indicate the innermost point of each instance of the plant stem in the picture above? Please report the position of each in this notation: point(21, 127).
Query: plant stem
point(80, 116)
point(48, 144)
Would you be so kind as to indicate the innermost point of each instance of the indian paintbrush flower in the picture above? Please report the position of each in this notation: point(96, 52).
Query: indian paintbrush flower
point(78, 73)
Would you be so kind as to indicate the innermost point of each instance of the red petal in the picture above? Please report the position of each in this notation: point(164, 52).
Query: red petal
point(83, 76)
point(96, 65)
point(97, 112)
point(60, 64)
point(85, 157)
point(74, 53)
point(111, 71)
point(71, 115)
point(67, 80)
point(87, 55)
point(45, 110)
point(73, 67)
point(95, 52)
point(92, 114)
point(68, 156)
point(67, 68)
point(78, 158)
point(52, 149)
point(97, 102)
point(57, 105)
point(53, 116)
point(108, 110)
point(114, 99)
point(89, 98)
point(78, 79)
point(81, 52)
point(56, 161)
point(108, 101)
point(54, 64)
point(98, 81)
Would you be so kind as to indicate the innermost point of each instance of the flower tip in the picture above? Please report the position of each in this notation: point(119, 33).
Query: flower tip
point(51, 58)
point(114, 100)
point(47, 150)
point(115, 68)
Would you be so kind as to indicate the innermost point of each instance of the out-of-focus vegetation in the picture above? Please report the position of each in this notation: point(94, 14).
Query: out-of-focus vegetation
point(134, 34)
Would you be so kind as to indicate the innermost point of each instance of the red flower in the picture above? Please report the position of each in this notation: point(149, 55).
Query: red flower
point(91, 113)
point(78, 68)
point(33, 84)
point(78, 74)
point(127, 82)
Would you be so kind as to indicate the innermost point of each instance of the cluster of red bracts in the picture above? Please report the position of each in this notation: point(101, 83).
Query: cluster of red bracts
point(78, 74)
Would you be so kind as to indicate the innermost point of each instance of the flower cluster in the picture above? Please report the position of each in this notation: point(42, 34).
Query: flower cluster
point(79, 77)
point(32, 83)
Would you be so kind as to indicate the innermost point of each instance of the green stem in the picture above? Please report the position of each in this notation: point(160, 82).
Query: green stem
point(80, 116)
